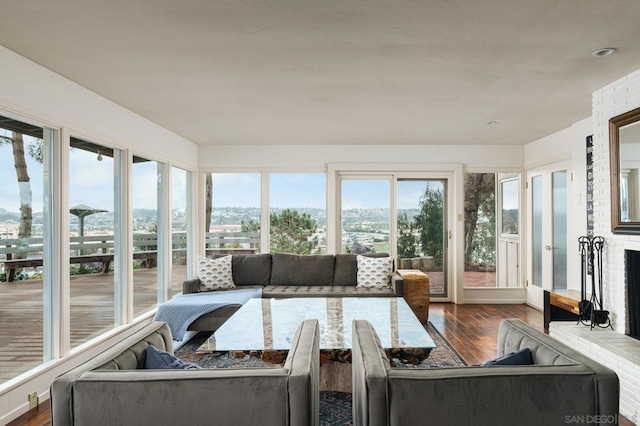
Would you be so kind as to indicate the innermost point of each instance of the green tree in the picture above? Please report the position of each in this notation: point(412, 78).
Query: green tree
point(479, 219)
point(407, 240)
point(250, 226)
point(292, 232)
point(430, 223)
point(208, 202)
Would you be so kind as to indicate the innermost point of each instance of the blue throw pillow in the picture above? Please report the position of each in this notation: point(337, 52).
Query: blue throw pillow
point(521, 357)
point(157, 359)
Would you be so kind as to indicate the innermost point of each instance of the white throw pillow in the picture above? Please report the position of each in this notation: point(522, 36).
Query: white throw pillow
point(374, 272)
point(215, 274)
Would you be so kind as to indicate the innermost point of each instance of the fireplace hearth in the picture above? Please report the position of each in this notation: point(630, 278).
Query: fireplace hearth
point(632, 268)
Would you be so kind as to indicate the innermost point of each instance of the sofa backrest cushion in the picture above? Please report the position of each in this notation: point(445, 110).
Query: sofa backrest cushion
point(514, 335)
point(130, 354)
point(346, 268)
point(251, 269)
point(295, 269)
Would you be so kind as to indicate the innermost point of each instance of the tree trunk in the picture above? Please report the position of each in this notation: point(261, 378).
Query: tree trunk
point(208, 202)
point(24, 187)
point(475, 185)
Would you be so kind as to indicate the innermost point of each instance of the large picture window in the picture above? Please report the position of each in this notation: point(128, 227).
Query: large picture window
point(232, 213)
point(180, 227)
point(492, 227)
point(25, 242)
point(94, 173)
point(148, 190)
point(297, 213)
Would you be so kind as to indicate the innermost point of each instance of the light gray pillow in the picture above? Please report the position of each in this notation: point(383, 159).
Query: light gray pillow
point(215, 274)
point(374, 272)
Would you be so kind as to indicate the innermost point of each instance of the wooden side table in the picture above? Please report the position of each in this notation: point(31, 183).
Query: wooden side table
point(416, 292)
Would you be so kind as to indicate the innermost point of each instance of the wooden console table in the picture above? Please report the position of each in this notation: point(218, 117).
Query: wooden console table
point(561, 305)
point(416, 292)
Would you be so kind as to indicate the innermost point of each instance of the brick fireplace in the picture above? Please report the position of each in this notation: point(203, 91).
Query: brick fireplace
point(613, 348)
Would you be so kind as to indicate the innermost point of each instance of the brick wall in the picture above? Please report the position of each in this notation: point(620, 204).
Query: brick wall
point(612, 348)
point(614, 99)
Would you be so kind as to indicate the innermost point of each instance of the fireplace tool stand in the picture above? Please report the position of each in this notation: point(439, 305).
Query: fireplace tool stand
point(592, 312)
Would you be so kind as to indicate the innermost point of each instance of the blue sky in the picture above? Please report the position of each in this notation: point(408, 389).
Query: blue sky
point(91, 183)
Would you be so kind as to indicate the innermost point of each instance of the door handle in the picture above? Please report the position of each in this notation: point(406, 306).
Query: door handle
point(547, 247)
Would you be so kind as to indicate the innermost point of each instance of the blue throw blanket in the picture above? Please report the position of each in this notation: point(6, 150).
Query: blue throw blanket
point(183, 309)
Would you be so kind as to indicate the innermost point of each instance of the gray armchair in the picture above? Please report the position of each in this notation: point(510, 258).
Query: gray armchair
point(113, 389)
point(562, 386)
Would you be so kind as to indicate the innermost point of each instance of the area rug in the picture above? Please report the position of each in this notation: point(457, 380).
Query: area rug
point(335, 407)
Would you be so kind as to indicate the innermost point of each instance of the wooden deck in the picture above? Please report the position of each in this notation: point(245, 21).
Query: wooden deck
point(92, 308)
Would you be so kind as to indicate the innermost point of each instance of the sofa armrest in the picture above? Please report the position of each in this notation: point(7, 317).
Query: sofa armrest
point(500, 395)
point(515, 334)
point(191, 286)
point(303, 363)
point(129, 352)
point(370, 367)
point(176, 397)
point(397, 284)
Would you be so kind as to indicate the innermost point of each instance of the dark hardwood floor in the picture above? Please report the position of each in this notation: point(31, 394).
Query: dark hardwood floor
point(471, 329)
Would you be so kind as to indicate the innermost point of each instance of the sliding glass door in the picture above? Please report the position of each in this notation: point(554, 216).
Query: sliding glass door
point(402, 215)
point(421, 237)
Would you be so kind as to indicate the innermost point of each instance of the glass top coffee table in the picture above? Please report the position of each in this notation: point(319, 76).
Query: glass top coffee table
point(262, 327)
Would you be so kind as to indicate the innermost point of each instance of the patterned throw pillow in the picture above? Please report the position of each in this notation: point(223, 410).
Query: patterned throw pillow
point(374, 272)
point(215, 274)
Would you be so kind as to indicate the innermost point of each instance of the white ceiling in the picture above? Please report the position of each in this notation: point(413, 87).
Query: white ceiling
point(336, 71)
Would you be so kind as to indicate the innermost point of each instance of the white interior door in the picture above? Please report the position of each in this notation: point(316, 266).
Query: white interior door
point(547, 190)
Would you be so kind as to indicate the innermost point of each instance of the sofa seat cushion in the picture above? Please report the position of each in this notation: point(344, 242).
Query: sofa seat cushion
point(309, 270)
point(324, 291)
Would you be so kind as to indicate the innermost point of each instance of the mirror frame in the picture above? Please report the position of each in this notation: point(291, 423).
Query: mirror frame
point(615, 123)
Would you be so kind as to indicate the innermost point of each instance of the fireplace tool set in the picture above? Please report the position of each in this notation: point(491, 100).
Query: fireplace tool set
point(592, 311)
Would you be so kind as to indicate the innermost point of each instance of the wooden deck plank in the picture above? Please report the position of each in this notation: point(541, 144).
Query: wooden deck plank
point(91, 313)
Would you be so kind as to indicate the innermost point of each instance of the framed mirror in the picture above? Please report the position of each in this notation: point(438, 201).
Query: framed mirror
point(624, 150)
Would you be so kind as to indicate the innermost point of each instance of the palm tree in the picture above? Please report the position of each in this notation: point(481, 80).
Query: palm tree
point(24, 183)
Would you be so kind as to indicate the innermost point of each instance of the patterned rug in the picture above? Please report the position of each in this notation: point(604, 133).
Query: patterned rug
point(335, 407)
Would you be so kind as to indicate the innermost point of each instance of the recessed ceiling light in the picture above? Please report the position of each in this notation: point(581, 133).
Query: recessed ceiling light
point(492, 123)
point(603, 52)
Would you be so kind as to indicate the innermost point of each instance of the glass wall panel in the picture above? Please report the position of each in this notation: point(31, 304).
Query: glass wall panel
point(147, 211)
point(421, 208)
point(480, 230)
point(24, 170)
point(180, 217)
point(232, 213)
point(536, 230)
point(559, 182)
point(365, 213)
point(93, 177)
point(298, 214)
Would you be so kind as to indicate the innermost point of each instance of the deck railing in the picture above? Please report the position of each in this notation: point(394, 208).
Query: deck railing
point(16, 254)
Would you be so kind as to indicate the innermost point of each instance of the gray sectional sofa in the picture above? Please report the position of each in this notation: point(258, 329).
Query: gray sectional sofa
point(114, 389)
point(290, 275)
point(562, 387)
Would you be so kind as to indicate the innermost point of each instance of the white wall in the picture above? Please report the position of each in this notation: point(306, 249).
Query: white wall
point(33, 93)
